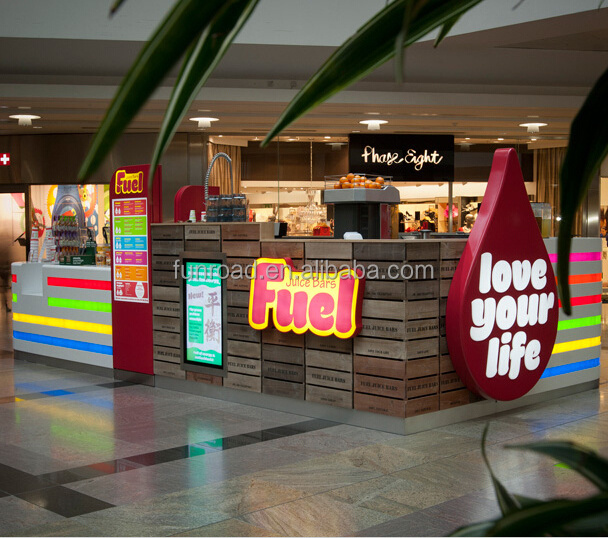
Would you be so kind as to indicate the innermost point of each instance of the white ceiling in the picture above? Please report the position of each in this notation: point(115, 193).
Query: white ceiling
point(479, 85)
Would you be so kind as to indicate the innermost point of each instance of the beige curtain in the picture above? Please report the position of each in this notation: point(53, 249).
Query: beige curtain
point(546, 171)
point(220, 175)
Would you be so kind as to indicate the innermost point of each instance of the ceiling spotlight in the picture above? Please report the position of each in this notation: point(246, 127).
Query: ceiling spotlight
point(533, 139)
point(533, 127)
point(467, 138)
point(204, 123)
point(24, 119)
point(373, 125)
point(500, 139)
point(335, 146)
point(327, 137)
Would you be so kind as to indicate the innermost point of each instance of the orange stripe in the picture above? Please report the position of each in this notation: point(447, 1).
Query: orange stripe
point(584, 279)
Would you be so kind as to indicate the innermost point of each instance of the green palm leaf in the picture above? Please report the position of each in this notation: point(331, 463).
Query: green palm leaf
point(357, 57)
point(182, 25)
point(198, 66)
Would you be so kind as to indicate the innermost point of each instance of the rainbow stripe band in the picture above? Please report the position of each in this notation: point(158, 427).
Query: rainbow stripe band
point(570, 368)
point(576, 344)
point(77, 304)
point(584, 279)
point(62, 342)
point(566, 324)
point(14, 297)
point(585, 299)
point(14, 277)
point(579, 257)
point(81, 283)
point(64, 323)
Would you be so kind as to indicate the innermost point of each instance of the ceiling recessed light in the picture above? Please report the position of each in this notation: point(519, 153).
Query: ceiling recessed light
point(24, 120)
point(373, 125)
point(203, 110)
point(467, 138)
point(500, 139)
point(372, 113)
point(37, 127)
point(220, 136)
point(533, 116)
point(533, 139)
point(327, 137)
point(204, 123)
point(533, 127)
point(355, 131)
point(24, 107)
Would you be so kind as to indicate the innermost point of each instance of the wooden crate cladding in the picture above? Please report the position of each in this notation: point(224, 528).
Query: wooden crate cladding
point(455, 398)
point(328, 343)
point(377, 289)
point(380, 328)
point(394, 369)
point(379, 251)
point(283, 371)
point(276, 353)
point(379, 386)
point(237, 298)
point(169, 369)
point(254, 231)
point(377, 404)
point(205, 378)
point(167, 231)
point(243, 382)
point(330, 249)
point(329, 396)
point(244, 365)
point(202, 232)
point(376, 347)
point(283, 249)
point(422, 386)
point(343, 362)
point(274, 336)
point(234, 331)
point(422, 405)
point(329, 378)
point(284, 388)
point(422, 251)
point(244, 349)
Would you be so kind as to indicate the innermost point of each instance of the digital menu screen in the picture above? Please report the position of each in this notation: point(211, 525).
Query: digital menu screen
point(204, 306)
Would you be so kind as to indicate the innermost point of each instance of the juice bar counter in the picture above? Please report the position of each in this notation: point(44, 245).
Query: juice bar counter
point(62, 315)
point(396, 374)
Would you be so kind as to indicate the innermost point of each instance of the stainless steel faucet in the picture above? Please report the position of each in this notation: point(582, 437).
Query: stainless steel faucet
point(215, 157)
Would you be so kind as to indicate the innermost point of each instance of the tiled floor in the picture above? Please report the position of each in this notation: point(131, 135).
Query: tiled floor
point(81, 455)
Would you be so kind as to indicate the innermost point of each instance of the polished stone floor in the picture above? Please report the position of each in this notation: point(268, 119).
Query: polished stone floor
point(82, 455)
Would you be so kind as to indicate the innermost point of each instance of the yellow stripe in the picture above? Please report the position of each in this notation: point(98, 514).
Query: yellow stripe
point(577, 344)
point(64, 323)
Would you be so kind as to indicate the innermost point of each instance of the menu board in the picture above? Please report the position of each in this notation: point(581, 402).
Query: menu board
point(204, 307)
point(130, 227)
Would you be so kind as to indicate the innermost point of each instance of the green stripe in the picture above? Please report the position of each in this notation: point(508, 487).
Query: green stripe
point(578, 323)
point(14, 297)
point(95, 306)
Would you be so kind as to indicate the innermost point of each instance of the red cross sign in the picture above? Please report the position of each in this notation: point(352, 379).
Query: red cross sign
point(5, 159)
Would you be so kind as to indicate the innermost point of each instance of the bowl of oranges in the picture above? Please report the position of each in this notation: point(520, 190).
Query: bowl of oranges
point(356, 181)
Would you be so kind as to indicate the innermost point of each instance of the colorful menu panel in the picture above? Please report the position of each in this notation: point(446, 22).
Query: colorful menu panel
point(203, 303)
point(130, 236)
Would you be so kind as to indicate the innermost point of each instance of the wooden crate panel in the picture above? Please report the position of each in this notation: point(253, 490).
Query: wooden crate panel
point(167, 354)
point(165, 263)
point(385, 251)
point(243, 231)
point(165, 293)
point(274, 336)
point(443, 345)
point(202, 246)
point(162, 323)
point(288, 354)
point(284, 388)
point(237, 298)
point(201, 232)
point(168, 309)
point(329, 343)
point(243, 365)
point(205, 378)
point(167, 248)
point(284, 371)
point(329, 360)
point(452, 249)
point(237, 315)
point(423, 270)
point(380, 386)
point(422, 251)
point(429, 308)
point(383, 271)
point(161, 338)
point(167, 231)
point(376, 289)
point(443, 305)
point(442, 329)
point(380, 405)
point(373, 308)
point(252, 350)
point(418, 349)
point(165, 278)
point(422, 367)
point(455, 398)
point(249, 249)
point(322, 250)
point(448, 268)
point(445, 364)
point(422, 386)
point(450, 381)
point(444, 287)
point(394, 369)
point(376, 347)
point(234, 331)
point(382, 328)
point(422, 289)
point(420, 406)
point(169, 369)
point(424, 328)
point(283, 249)
point(328, 396)
point(243, 382)
point(238, 284)
point(329, 378)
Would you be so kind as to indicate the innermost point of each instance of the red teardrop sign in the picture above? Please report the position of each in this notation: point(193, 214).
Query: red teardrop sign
point(502, 308)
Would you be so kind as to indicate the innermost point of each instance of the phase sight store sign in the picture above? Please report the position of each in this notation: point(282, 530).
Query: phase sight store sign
point(404, 157)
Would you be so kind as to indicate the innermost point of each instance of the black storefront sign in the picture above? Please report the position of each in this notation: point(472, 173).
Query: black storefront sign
point(416, 158)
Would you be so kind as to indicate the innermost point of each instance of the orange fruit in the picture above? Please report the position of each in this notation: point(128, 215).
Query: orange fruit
point(343, 179)
point(380, 180)
point(347, 185)
point(350, 177)
point(337, 185)
point(368, 184)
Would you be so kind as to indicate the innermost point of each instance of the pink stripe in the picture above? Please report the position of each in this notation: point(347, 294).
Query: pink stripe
point(579, 257)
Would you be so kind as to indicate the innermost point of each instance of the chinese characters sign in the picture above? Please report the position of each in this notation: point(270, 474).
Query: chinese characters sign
point(130, 227)
point(203, 303)
point(322, 303)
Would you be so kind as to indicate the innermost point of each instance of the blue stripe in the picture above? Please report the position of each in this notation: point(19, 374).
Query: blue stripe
point(570, 368)
point(63, 342)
